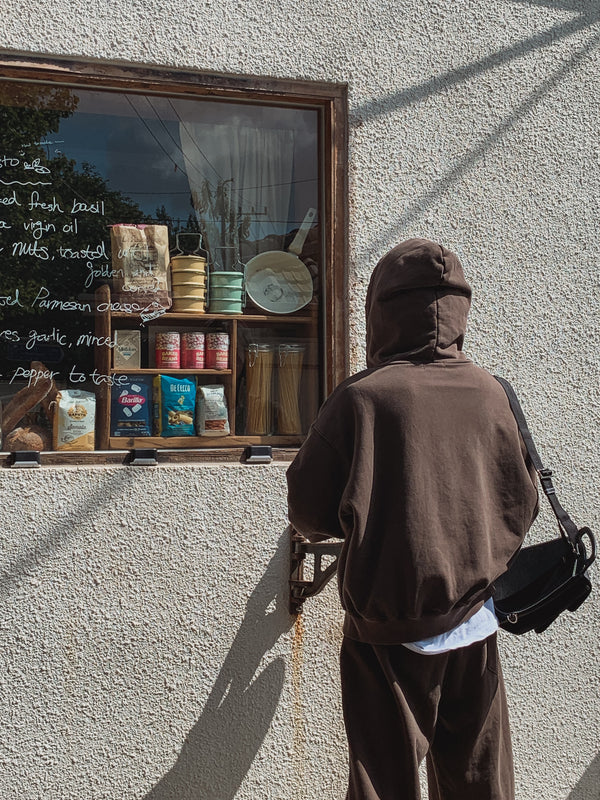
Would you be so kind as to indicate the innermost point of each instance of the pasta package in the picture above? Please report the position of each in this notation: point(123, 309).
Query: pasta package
point(140, 262)
point(131, 407)
point(174, 406)
point(74, 420)
point(211, 411)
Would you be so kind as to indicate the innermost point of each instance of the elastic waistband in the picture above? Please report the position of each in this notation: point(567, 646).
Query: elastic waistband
point(400, 631)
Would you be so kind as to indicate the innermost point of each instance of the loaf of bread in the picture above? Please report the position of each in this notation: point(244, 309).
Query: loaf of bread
point(33, 437)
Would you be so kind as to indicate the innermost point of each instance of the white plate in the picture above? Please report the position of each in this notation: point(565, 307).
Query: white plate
point(278, 282)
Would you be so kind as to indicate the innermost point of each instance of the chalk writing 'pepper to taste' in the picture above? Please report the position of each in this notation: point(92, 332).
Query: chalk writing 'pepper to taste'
point(34, 376)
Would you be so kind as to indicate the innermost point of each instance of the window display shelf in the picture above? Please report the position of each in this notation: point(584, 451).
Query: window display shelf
point(240, 328)
point(179, 317)
point(293, 165)
point(199, 442)
point(166, 371)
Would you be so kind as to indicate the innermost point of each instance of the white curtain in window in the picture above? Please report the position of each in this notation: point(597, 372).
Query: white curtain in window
point(254, 165)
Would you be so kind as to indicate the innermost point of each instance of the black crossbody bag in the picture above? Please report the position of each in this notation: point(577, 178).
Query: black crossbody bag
point(545, 579)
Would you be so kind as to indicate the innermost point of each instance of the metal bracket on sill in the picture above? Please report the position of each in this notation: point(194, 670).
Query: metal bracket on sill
point(300, 588)
point(25, 459)
point(144, 457)
point(258, 454)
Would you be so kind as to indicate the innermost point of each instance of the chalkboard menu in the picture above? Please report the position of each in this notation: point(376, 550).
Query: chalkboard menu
point(73, 163)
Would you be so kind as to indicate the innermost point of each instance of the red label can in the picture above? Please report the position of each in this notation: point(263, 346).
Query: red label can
point(167, 350)
point(192, 350)
point(217, 351)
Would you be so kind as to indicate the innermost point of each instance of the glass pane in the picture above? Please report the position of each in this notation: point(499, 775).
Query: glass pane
point(278, 379)
point(230, 194)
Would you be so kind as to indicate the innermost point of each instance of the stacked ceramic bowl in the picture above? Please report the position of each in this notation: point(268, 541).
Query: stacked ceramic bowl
point(188, 284)
point(226, 292)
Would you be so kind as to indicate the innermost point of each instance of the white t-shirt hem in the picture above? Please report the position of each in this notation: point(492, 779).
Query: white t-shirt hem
point(477, 628)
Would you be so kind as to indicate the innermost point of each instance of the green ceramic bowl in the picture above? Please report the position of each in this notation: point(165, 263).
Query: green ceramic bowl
point(231, 280)
point(226, 306)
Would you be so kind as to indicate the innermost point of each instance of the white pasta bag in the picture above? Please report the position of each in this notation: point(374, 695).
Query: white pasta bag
point(211, 411)
point(74, 421)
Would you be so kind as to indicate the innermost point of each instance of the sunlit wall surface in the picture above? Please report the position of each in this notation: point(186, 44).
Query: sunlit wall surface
point(147, 650)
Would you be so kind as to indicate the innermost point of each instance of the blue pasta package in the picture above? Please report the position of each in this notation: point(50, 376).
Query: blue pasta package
point(174, 406)
point(131, 407)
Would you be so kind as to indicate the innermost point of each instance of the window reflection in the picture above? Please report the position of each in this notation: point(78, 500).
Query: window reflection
point(239, 178)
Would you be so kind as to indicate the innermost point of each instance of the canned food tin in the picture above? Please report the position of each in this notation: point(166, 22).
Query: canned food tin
point(217, 350)
point(192, 350)
point(167, 350)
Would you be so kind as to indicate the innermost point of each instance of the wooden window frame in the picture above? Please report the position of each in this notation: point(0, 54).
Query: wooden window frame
point(332, 102)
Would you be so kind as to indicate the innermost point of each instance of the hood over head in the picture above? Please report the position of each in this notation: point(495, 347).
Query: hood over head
point(417, 305)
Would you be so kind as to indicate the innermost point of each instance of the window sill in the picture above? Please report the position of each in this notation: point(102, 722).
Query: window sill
point(215, 455)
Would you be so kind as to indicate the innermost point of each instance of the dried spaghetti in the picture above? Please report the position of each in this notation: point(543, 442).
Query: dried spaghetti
point(259, 374)
point(290, 370)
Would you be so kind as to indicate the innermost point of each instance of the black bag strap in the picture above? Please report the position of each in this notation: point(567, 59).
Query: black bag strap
point(565, 523)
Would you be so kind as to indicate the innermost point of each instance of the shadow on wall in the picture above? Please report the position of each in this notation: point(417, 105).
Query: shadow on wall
point(587, 15)
point(222, 745)
point(588, 787)
point(53, 537)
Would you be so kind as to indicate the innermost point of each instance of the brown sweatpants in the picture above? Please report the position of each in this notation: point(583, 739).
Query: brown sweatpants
point(401, 707)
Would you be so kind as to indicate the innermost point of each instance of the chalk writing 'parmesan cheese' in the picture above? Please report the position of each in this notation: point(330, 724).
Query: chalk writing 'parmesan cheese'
point(43, 300)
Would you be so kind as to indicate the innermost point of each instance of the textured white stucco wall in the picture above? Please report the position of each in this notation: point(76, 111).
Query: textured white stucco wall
point(147, 647)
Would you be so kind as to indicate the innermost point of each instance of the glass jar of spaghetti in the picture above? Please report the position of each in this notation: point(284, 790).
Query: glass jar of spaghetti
point(289, 372)
point(259, 379)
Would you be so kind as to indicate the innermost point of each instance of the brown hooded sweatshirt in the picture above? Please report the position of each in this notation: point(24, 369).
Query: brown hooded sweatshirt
point(416, 462)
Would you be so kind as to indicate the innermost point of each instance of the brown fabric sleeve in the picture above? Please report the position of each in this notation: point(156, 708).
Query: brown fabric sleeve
point(316, 480)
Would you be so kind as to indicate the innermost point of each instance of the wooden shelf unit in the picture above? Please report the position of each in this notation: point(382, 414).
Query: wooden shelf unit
point(105, 326)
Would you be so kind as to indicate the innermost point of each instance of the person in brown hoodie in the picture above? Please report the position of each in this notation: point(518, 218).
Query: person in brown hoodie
point(418, 465)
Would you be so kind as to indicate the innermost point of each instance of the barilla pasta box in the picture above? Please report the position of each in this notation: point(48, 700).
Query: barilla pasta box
point(174, 406)
point(131, 407)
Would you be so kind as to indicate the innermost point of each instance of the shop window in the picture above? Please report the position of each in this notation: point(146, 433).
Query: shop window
point(172, 258)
